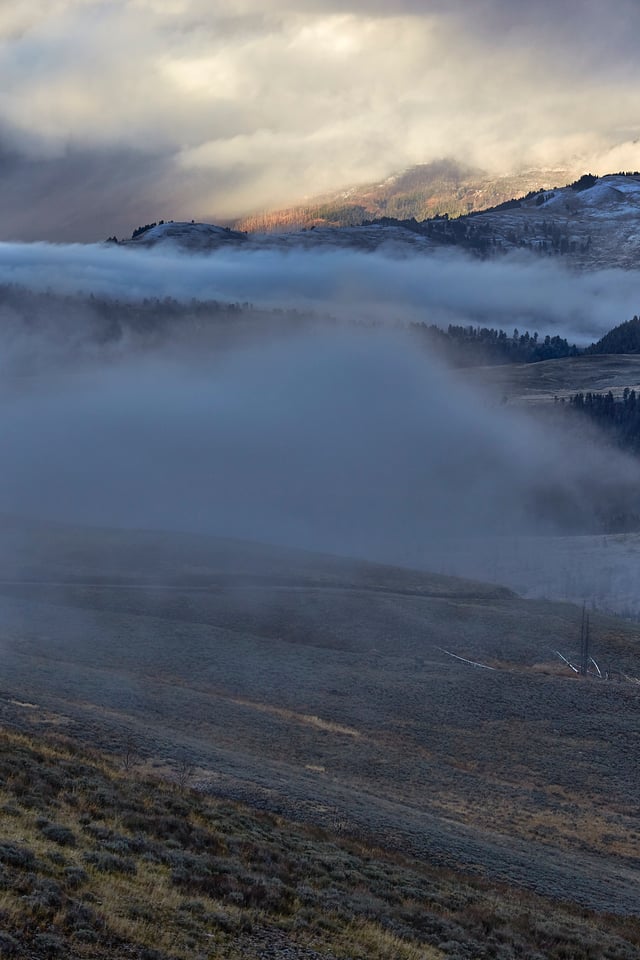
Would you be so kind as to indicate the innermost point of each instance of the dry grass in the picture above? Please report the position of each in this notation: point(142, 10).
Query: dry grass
point(97, 862)
point(292, 717)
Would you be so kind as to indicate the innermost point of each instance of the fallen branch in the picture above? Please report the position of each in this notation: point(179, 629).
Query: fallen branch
point(474, 663)
point(596, 666)
point(568, 663)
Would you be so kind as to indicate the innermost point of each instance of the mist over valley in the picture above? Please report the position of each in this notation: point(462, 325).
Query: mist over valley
point(320, 486)
point(325, 414)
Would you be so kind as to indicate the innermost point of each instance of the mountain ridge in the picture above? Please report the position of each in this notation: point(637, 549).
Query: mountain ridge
point(421, 191)
point(591, 223)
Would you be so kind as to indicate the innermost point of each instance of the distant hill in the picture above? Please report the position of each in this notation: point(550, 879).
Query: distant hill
point(423, 191)
point(470, 346)
point(625, 338)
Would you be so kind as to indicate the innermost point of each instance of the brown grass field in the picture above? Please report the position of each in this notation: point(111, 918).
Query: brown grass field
point(541, 382)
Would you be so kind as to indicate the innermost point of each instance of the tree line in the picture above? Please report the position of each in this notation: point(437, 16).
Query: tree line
point(625, 338)
point(471, 346)
point(618, 417)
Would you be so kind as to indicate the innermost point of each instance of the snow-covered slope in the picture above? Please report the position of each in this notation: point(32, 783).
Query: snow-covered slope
point(613, 194)
point(191, 235)
point(368, 237)
point(206, 236)
point(594, 227)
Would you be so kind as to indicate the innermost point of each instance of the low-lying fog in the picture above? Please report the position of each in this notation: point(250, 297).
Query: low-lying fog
point(445, 287)
point(317, 435)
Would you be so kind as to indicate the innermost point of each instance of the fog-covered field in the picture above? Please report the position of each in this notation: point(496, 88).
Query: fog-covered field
point(602, 570)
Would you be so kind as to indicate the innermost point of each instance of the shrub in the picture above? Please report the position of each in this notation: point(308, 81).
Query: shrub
point(74, 877)
point(81, 917)
point(9, 946)
point(58, 834)
point(44, 895)
point(48, 944)
point(15, 856)
point(110, 863)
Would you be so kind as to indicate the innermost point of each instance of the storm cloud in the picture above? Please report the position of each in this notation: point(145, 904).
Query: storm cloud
point(214, 111)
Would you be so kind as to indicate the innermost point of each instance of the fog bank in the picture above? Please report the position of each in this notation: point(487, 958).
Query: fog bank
point(445, 287)
point(339, 441)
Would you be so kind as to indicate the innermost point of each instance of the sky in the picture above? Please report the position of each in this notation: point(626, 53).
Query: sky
point(119, 112)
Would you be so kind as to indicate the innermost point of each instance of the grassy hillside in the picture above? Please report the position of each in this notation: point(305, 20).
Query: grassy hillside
point(542, 382)
point(423, 191)
point(99, 861)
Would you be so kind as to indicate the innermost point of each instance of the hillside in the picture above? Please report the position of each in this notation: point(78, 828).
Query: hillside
point(590, 228)
point(191, 235)
point(422, 191)
point(331, 691)
point(593, 226)
point(541, 383)
point(99, 860)
point(625, 338)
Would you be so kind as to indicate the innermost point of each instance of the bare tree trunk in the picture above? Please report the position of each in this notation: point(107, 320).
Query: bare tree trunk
point(584, 642)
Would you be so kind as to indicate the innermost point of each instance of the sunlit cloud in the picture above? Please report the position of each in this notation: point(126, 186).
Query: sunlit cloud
point(256, 104)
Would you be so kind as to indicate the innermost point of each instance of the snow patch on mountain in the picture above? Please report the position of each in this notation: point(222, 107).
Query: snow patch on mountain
point(191, 235)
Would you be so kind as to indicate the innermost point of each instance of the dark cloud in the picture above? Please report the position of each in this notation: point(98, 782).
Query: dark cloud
point(79, 196)
point(87, 195)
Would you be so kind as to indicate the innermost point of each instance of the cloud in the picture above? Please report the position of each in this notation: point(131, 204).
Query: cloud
point(447, 287)
point(262, 103)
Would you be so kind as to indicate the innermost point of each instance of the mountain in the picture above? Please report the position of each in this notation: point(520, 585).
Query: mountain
point(591, 223)
point(422, 191)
